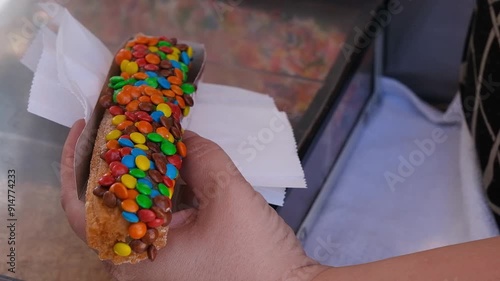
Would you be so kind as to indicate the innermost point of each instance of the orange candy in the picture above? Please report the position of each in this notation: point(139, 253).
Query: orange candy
point(123, 97)
point(181, 149)
point(125, 75)
point(179, 74)
point(152, 58)
point(135, 92)
point(113, 144)
point(140, 75)
point(119, 190)
point(162, 131)
point(153, 41)
point(130, 44)
point(157, 99)
point(129, 205)
point(123, 125)
point(168, 93)
point(141, 40)
point(174, 80)
point(133, 105)
point(144, 99)
point(144, 127)
point(177, 90)
point(137, 230)
point(123, 54)
point(181, 102)
point(151, 91)
point(132, 193)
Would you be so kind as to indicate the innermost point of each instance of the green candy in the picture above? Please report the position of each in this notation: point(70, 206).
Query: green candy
point(162, 55)
point(151, 81)
point(143, 188)
point(184, 76)
point(168, 148)
point(184, 67)
point(144, 201)
point(114, 95)
point(131, 81)
point(115, 79)
point(120, 84)
point(187, 88)
point(164, 43)
point(154, 137)
point(137, 173)
point(163, 189)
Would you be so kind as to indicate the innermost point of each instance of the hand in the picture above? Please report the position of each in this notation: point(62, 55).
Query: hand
point(230, 234)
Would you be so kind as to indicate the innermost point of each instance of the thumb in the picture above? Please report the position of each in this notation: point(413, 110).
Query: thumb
point(211, 175)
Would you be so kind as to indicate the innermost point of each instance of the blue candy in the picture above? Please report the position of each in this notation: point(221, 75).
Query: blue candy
point(154, 193)
point(163, 82)
point(171, 171)
point(185, 58)
point(156, 115)
point(176, 64)
point(140, 82)
point(151, 74)
point(145, 181)
point(129, 161)
point(125, 142)
point(152, 166)
point(137, 151)
point(130, 217)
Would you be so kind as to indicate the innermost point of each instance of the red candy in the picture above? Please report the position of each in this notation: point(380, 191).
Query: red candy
point(141, 62)
point(155, 223)
point(112, 155)
point(140, 47)
point(146, 215)
point(143, 116)
point(165, 49)
point(106, 180)
point(175, 160)
point(118, 169)
point(125, 137)
point(176, 111)
point(112, 164)
point(139, 54)
point(126, 151)
point(168, 182)
point(151, 67)
point(131, 116)
point(115, 110)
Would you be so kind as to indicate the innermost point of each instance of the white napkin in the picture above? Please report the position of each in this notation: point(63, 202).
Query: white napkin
point(247, 125)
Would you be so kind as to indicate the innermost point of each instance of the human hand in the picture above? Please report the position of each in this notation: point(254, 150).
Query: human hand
point(231, 233)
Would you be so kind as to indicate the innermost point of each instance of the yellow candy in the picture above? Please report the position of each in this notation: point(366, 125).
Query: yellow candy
point(113, 135)
point(132, 68)
point(173, 57)
point(165, 108)
point(170, 138)
point(153, 49)
point(142, 162)
point(129, 181)
point(123, 65)
point(118, 119)
point(122, 249)
point(190, 52)
point(186, 110)
point(176, 50)
point(141, 146)
point(138, 138)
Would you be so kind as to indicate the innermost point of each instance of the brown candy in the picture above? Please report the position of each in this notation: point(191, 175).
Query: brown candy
point(166, 64)
point(154, 147)
point(177, 125)
point(155, 176)
point(130, 129)
point(162, 202)
point(146, 106)
point(150, 236)
point(166, 122)
point(166, 72)
point(99, 191)
point(152, 252)
point(160, 162)
point(138, 246)
point(188, 100)
point(173, 41)
point(106, 101)
point(168, 218)
point(109, 199)
point(175, 132)
point(159, 213)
